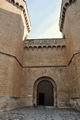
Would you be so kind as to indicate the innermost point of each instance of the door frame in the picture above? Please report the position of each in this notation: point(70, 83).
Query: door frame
point(35, 90)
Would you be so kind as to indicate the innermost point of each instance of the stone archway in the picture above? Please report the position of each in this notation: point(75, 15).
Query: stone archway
point(37, 92)
point(45, 93)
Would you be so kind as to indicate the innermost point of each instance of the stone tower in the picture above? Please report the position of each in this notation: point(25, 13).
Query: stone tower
point(69, 25)
point(14, 28)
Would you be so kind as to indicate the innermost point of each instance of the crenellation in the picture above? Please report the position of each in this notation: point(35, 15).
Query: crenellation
point(22, 6)
point(47, 46)
point(45, 43)
point(64, 6)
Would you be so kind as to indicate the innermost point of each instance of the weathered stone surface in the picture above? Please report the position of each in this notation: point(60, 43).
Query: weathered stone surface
point(24, 64)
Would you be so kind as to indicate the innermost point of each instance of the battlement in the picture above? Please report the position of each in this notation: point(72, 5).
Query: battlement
point(64, 6)
point(21, 4)
point(45, 43)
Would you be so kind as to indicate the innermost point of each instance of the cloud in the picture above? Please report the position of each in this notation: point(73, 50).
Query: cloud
point(51, 32)
point(45, 19)
point(50, 27)
point(51, 18)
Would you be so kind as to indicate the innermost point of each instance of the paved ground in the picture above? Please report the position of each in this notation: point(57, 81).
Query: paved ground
point(41, 114)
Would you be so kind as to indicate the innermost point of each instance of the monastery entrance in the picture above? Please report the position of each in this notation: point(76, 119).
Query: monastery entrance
point(45, 92)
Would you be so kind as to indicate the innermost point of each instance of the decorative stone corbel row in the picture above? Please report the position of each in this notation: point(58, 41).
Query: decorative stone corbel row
point(45, 43)
point(46, 46)
point(25, 13)
point(64, 6)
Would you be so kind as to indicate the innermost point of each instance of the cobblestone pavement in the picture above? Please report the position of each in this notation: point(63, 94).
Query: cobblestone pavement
point(41, 114)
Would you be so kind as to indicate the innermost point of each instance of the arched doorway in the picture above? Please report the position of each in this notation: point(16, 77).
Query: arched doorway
point(45, 92)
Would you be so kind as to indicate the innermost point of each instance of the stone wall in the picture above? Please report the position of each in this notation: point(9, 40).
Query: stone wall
point(59, 76)
point(69, 25)
point(44, 52)
point(12, 29)
point(65, 72)
point(75, 98)
point(23, 63)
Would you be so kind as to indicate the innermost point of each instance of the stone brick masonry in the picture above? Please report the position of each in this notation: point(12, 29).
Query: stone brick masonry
point(25, 63)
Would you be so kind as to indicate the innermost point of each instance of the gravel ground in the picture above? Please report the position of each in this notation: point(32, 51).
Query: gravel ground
point(40, 113)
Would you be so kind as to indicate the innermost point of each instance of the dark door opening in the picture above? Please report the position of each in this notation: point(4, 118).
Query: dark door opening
point(41, 98)
point(45, 94)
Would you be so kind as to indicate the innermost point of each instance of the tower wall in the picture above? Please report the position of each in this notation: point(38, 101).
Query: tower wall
point(69, 26)
point(13, 30)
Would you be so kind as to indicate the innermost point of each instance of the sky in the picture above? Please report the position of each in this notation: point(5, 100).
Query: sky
point(44, 18)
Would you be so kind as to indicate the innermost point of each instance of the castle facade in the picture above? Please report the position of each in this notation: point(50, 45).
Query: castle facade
point(36, 72)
